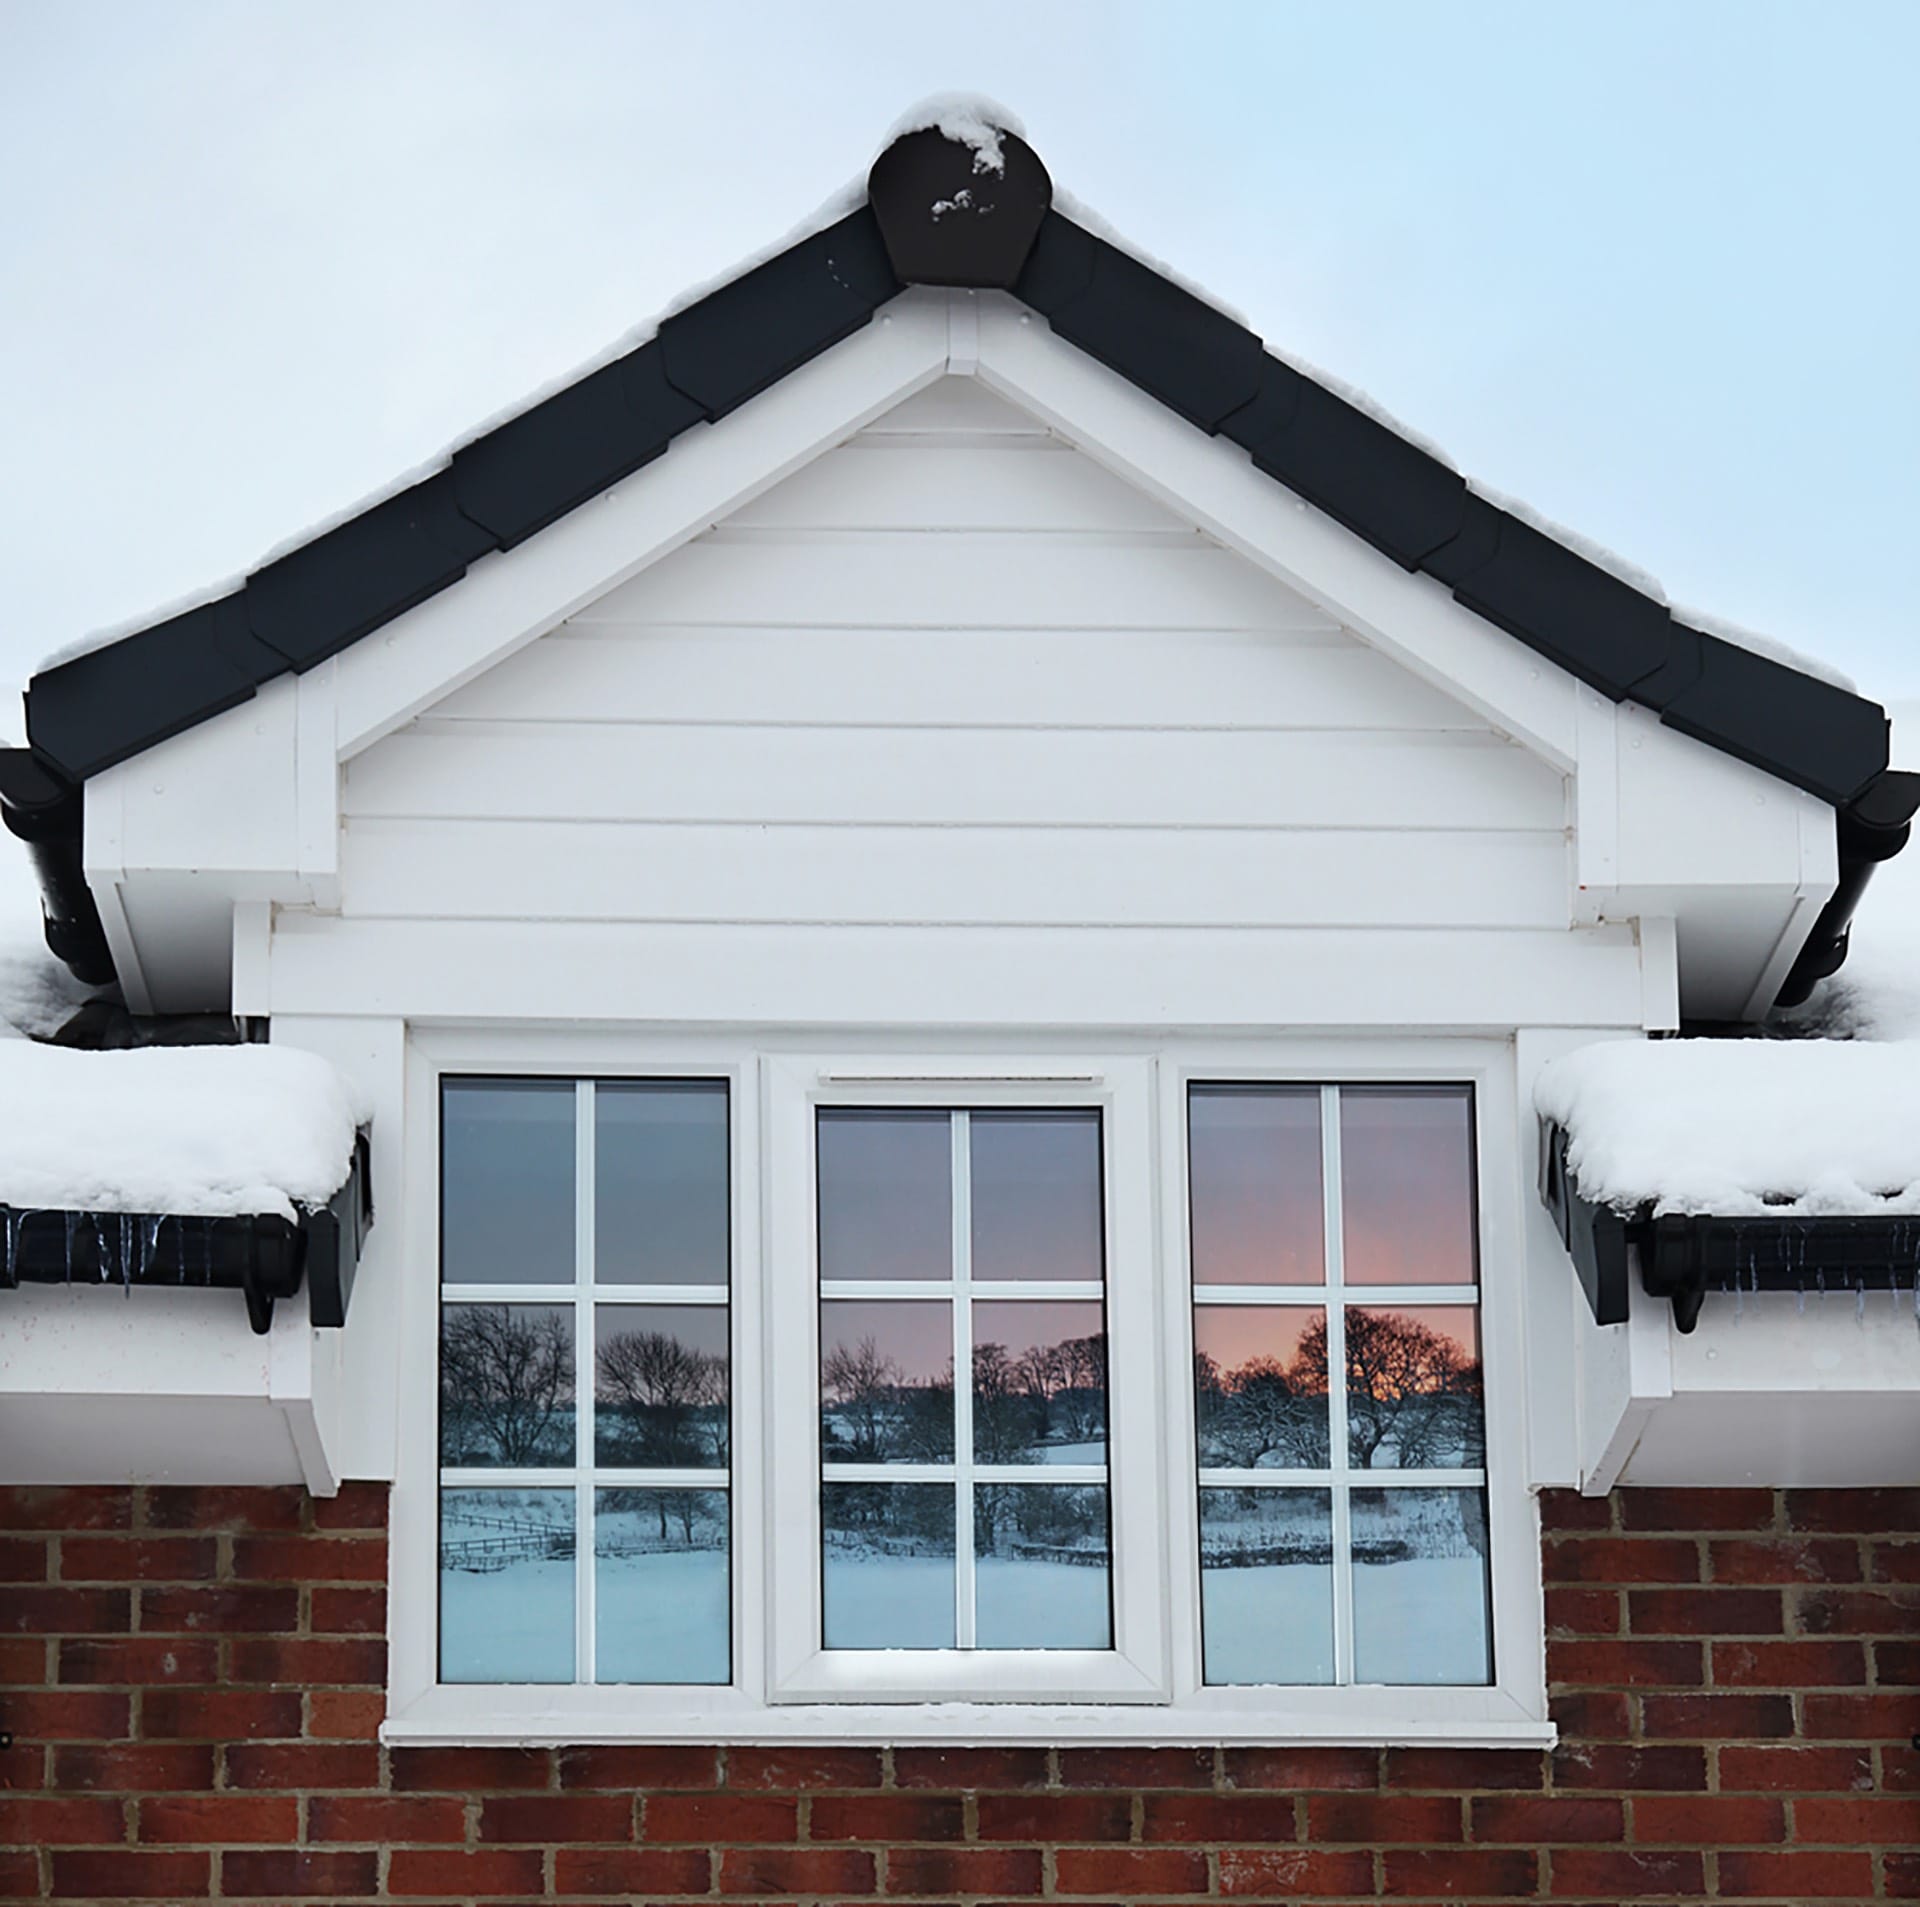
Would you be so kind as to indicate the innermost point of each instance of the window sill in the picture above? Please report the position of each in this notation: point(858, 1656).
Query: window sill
point(1473, 1718)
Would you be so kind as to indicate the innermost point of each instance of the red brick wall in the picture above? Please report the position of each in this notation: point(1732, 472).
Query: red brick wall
point(191, 1678)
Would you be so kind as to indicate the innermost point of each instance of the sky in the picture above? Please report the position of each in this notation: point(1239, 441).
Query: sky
point(1646, 265)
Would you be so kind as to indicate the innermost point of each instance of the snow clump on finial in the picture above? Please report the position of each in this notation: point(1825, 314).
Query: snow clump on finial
point(968, 119)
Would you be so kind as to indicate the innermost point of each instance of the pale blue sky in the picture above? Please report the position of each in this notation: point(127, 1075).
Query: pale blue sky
point(1650, 266)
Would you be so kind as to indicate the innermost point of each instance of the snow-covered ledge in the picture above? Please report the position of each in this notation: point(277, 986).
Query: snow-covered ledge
point(153, 1205)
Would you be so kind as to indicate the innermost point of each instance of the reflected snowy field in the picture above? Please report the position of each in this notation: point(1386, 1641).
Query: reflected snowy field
point(906, 1602)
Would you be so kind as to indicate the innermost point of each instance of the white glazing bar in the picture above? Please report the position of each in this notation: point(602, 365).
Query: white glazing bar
point(659, 1294)
point(1323, 1479)
point(963, 1622)
point(886, 1288)
point(1079, 1473)
point(560, 1292)
point(1055, 1290)
point(583, 1201)
point(1317, 1294)
point(1337, 1387)
point(612, 1478)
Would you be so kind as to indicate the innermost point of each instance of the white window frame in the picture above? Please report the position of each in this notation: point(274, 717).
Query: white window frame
point(785, 1687)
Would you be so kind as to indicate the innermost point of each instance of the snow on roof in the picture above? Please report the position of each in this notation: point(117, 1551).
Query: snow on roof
point(974, 120)
point(1824, 1121)
point(201, 1131)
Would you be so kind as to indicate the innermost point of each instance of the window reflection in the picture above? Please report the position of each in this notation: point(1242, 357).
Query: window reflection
point(506, 1585)
point(1421, 1611)
point(1257, 1207)
point(662, 1586)
point(1260, 1386)
point(1266, 1586)
point(660, 1389)
point(1039, 1383)
point(1041, 1567)
point(1406, 1175)
point(886, 1382)
point(887, 1566)
point(886, 1194)
point(1036, 1195)
point(506, 1187)
point(506, 1385)
point(660, 1182)
point(1414, 1395)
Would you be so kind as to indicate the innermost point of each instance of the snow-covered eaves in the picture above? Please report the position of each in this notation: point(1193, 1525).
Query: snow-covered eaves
point(236, 1166)
point(946, 207)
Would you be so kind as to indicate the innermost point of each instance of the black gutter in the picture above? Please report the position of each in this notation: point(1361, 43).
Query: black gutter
point(935, 215)
point(1683, 1258)
point(265, 1257)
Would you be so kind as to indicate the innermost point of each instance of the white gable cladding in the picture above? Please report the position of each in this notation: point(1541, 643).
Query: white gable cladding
point(955, 676)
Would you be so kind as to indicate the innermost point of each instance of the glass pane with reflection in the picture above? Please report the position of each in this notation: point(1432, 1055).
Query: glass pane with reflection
point(506, 1585)
point(1036, 1195)
point(1041, 1575)
point(1406, 1178)
point(886, 1381)
point(886, 1194)
point(1258, 1207)
point(1039, 1382)
point(1414, 1397)
point(663, 1586)
point(1266, 1586)
point(887, 1565)
point(660, 1386)
point(1260, 1386)
point(506, 1385)
point(506, 1181)
point(1421, 1596)
point(660, 1182)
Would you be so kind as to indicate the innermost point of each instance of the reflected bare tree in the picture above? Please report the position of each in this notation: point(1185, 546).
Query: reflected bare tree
point(872, 1412)
point(1261, 1414)
point(1414, 1397)
point(662, 1402)
point(506, 1385)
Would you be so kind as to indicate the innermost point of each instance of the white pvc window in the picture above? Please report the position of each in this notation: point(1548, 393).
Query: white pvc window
point(796, 1395)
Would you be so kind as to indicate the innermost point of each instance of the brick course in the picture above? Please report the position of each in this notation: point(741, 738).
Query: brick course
point(193, 1679)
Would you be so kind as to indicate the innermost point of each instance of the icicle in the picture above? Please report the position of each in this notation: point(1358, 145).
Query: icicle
point(1860, 1302)
point(73, 1231)
point(1800, 1298)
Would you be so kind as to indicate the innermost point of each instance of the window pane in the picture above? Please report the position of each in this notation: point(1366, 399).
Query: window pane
point(886, 1194)
point(660, 1386)
point(663, 1589)
point(506, 1585)
point(1413, 1388)
point(1260, 1386)
point(1406, 1175)
point(1258, 1208)
point(1421, 1609)
point(1039, 1383)
point(660, 1182)
point(887, 1565)
point(886, 1382)
point(506, 1385)
point(1266, 1586)
point(1041, 1566)
point(1036, 1195)
point(506, 1185)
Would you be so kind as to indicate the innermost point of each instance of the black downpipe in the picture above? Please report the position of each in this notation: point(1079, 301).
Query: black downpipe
point(45, 811)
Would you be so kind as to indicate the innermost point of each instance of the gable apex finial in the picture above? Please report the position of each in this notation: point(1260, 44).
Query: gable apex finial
point(958, 195)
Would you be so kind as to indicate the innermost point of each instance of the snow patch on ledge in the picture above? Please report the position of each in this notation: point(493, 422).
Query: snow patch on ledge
point(198, 1131)
point(1741, 1128)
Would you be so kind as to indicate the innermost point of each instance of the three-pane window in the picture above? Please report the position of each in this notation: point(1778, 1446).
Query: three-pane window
point(964, 1392)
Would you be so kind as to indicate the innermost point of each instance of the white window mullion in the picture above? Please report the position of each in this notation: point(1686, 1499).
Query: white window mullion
point(1337, 1445)
point(963, 1598)
point(583, 1262)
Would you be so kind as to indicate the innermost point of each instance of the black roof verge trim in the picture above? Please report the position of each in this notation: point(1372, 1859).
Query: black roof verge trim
point(88, 714)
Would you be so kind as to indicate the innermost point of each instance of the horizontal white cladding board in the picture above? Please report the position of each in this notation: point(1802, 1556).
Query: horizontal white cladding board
point(1162, 978)
point(935, 579)
point(957, 488)
point(534, 870)
point(1055, 678)
point(1068, 777)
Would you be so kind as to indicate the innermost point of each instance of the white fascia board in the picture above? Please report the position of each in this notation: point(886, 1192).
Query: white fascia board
point(1213, 483)
point(509, 599)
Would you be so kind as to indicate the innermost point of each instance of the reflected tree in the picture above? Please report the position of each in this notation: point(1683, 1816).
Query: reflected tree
point(1414, 1397)
point(872, 1412)
point(1262, 1414)
point(506, 1385)
point(661, 1402)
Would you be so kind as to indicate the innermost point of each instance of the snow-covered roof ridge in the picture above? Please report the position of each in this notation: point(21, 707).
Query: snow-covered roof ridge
point(189, 1131)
